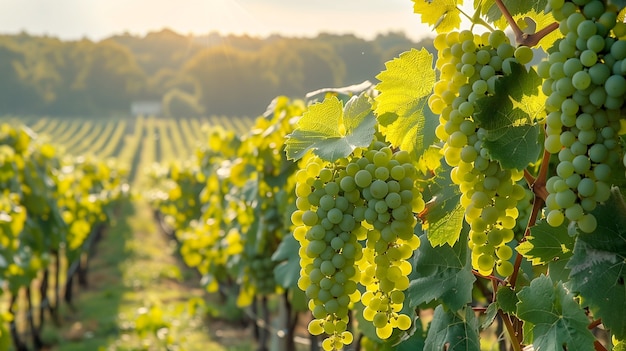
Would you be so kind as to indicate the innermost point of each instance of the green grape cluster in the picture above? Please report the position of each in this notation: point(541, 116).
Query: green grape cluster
point(586, 88)
point(329, 238)
point(469, 67)
point(371, 198)
point(387, 183)
point(261, 273)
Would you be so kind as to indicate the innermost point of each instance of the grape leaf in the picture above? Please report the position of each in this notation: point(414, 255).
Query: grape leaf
point(402, 106)
point(443, 15)
point(557, 270)
point(508, 118)
point(415, 341)
point(554, 316)
point(441, 273)
point(287, 272)
point(443, 215)
point(546, 244)
point(598, 266)
point(515, 7)
point(516, 148)
point(489, 316)
point(507, 106)
point(458, 333)
point(332, 131)
point(507, 299)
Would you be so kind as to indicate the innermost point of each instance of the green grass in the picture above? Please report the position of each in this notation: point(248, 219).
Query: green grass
point(135, 277)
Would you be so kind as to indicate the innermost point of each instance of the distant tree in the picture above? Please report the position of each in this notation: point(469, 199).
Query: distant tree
point(298, 66)
point(393, 44)
point(361, 58)
point(158, 50)
point(178, 104)
point(230, 81)
point(112, 77)
point(16, 96)
point(228, 75)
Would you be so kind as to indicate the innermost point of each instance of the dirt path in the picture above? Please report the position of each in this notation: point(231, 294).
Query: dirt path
point(140, 297)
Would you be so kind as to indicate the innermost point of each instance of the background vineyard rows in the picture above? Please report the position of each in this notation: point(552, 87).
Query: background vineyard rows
point(136, 143)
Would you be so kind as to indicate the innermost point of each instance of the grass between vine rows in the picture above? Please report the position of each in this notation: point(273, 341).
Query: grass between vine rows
point(141, 297)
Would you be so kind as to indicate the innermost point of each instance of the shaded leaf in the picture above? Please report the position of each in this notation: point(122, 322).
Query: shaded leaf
point(546, 244)
point(508, 115)
point(458, 332)
point(554, 316)
point(441, 273)
point(516, 147)
point(507, 299)
point(287, 272)
point(598, 266)
point(415, 341)
point(508, 105)
point(489, 316)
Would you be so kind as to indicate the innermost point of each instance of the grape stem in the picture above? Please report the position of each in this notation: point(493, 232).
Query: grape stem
point(490, 277)
point(522, 38)
point(475, 19)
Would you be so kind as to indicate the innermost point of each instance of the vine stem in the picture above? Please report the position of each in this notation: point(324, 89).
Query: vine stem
point(490, 277)
point(537, 205)
point(505, 12)
point(530, 179)
point(538, 186)
point(509, 328)
point(598, 346)
point(522, 38)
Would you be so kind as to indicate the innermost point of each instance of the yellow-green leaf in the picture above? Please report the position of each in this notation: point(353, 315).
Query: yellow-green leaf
point(443, 15)
point(331, 130)
point(402, 106)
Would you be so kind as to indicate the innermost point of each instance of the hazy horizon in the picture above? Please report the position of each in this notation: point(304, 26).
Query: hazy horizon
point(96, 20)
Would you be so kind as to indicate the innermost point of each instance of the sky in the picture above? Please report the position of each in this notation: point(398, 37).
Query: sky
point(98, 19)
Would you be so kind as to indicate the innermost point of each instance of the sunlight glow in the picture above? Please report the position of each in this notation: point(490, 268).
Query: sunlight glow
point(98, 19)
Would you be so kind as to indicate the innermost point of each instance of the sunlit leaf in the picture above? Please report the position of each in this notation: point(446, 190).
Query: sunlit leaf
point(402, 107)
point(442, 15)
point(331, 130)
point(443, 215)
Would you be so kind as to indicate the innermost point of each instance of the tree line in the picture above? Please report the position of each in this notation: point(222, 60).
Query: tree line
point(189, 75)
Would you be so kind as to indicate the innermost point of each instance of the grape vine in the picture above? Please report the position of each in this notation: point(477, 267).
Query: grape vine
point(50, 206)
point(473, 192)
